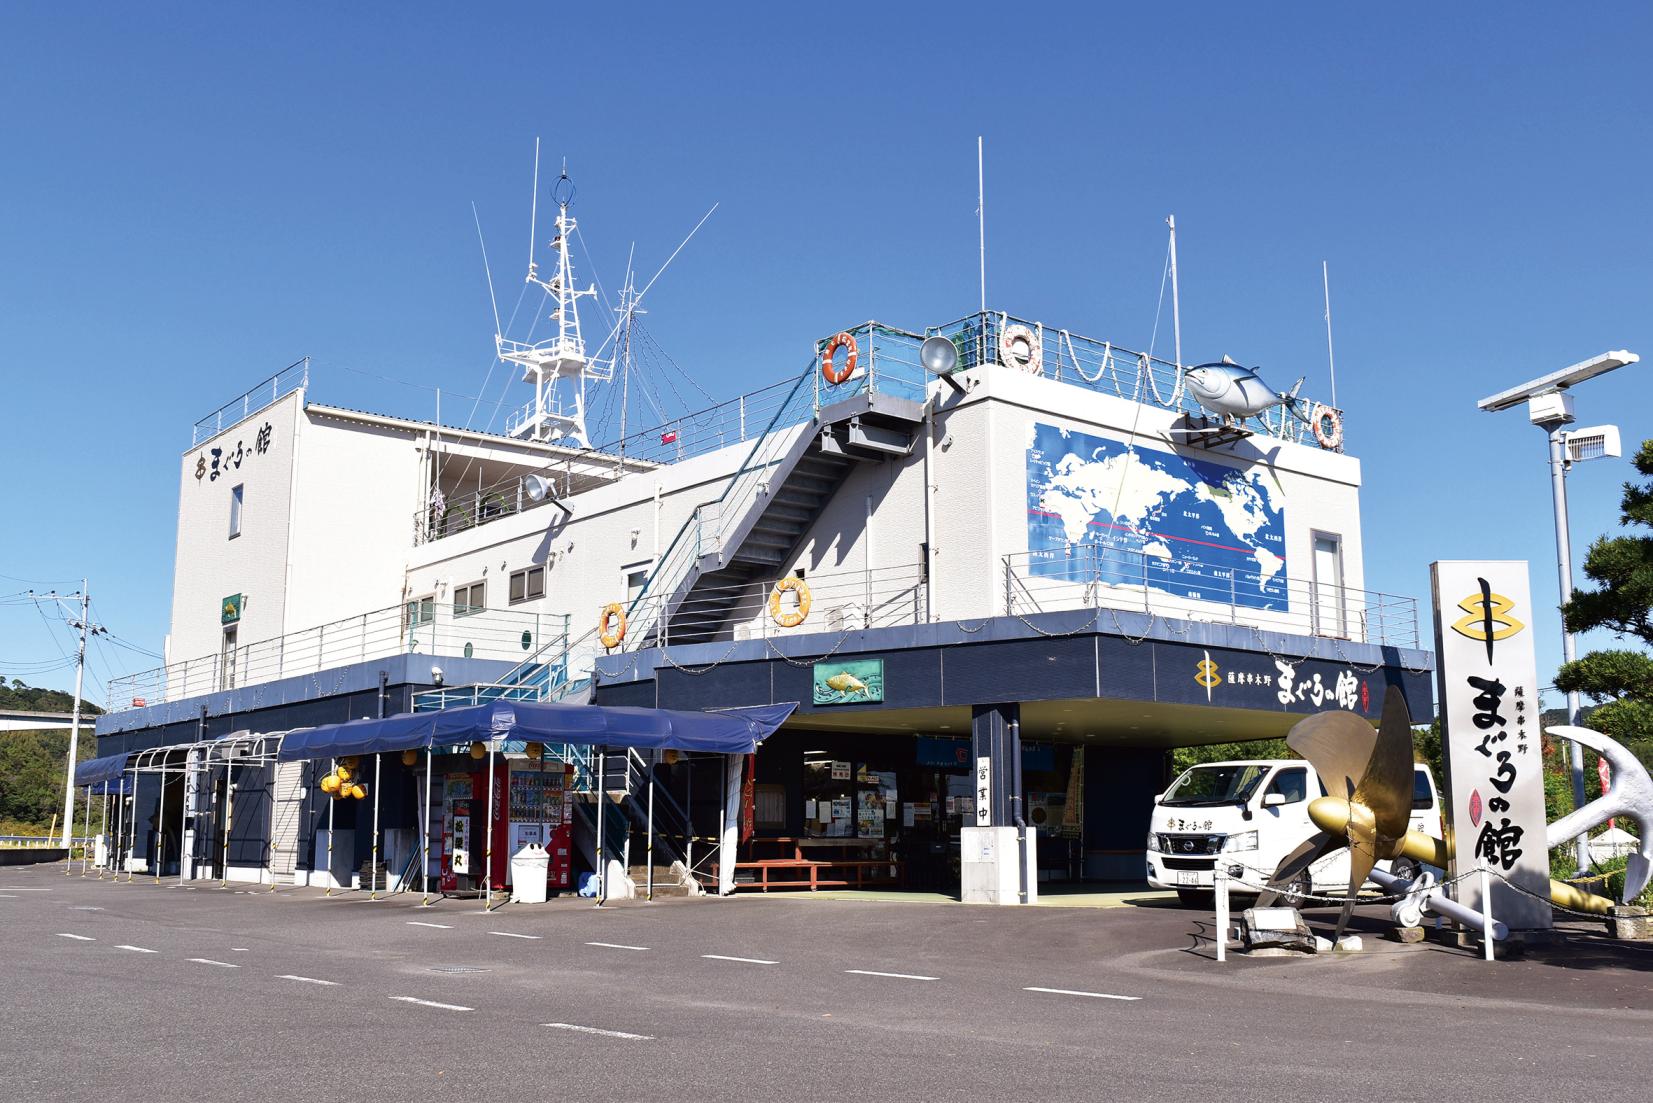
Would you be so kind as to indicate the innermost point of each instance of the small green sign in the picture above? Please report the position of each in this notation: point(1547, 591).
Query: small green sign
point(229, 611)
point(849, 683)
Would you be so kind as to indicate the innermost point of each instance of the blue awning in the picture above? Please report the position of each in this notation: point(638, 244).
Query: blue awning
point(94, 770)
point(731, 731)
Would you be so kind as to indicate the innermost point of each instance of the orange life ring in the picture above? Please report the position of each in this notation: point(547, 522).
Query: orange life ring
point(839, 341)
point(1328, 427)
point(795, 618)
point(612, 638)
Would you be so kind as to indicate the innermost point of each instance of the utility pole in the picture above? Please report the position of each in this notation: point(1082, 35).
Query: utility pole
point(74, 724)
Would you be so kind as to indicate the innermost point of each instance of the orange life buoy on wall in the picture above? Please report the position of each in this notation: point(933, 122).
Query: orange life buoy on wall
point(612, 612)
point(839, 341)
point(1328, 427)
point(796, 617)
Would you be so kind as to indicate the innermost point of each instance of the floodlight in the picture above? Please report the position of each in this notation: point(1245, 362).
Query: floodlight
point(1594, 442)
point(1559, 380)
point(537, 486)
point(938, 354)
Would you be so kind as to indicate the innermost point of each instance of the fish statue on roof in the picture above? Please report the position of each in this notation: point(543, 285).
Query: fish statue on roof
point(1235, 393)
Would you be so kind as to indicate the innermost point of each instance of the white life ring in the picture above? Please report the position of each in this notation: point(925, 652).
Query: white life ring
point(1019, 348)
point(1328, 426)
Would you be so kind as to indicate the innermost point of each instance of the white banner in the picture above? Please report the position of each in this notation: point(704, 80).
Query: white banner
point(1489, 705)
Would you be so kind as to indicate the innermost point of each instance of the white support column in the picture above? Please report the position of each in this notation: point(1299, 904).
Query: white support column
point(729, 829)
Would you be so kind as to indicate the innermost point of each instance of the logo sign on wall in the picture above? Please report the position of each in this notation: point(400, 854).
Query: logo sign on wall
point(849, 683)
point(229, 610)
point(1494, 765)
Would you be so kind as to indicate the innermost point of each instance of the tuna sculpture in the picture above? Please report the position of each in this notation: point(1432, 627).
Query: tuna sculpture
point(1235, 393)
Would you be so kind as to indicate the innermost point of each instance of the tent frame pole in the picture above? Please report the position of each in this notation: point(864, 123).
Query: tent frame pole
point(332, 820)
point(600, 791)
point(424, 861)
point(373, 870)
point(86, 834)
point(229, 819)
point(649, 849)
point(132, 825)
point(488, 844)
point(160, 824)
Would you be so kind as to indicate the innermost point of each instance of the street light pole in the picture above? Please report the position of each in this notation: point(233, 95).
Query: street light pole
point(1569, 645)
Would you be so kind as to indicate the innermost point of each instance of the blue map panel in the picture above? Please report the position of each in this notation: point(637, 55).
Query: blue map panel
point(1099, 512)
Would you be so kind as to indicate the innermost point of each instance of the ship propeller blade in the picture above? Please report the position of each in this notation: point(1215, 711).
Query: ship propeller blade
point(1338, 745)
point(1314, 848)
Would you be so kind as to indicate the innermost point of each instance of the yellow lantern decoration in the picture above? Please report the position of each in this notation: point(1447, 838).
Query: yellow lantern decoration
point(330, 783)
point(534, 751)
point(358, 791)
point(410, 758)
point(479, 749)
point(343, 772)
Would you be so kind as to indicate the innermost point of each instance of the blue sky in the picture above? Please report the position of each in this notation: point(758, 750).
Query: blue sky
point(196, 196)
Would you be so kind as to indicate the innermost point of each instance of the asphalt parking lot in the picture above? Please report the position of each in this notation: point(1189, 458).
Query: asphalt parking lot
point(156, 992)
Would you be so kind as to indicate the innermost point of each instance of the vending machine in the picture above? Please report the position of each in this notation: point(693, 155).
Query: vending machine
point(465, 845)
point(540, 814)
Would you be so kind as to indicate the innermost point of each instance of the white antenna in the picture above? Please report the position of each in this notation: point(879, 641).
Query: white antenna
point(1176, 307)
point(486, 270)
point(675, 251)
point(1326, 285)
point(981, 223)
point(533, 216)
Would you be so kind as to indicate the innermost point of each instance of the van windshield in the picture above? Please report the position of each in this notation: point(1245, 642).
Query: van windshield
point(1204, 785)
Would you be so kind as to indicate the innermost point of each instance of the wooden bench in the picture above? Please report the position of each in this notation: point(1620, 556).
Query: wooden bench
point(860, 869)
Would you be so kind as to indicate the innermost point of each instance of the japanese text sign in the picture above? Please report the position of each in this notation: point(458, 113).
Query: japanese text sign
point(1488, 680)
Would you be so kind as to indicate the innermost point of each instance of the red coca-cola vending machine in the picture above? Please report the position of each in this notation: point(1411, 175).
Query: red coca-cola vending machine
point(465, 848)
point(539, 813)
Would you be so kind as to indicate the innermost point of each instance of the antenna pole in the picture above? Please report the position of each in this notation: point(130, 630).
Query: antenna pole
point(628, 301)
point(74, 723)
point(1176, 306)
point(1331, 362)
point(533, 213)
point(981, 223)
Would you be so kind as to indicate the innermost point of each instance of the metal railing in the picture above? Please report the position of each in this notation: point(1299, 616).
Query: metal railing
point(291, 378)
point(841, 601)
point(1090, 576)
point(412, 627)
point(1113, 370)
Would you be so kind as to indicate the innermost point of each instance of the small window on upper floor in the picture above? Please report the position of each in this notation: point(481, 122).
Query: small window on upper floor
point(527, 584)
point(469, 599)
point(235, 510)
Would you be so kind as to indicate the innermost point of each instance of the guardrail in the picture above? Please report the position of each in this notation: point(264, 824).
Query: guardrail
point(291, 378)
point(1096, 577)
point(412, 627)
point(841, 601)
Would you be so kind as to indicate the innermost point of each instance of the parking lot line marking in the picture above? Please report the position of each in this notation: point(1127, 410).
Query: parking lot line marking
point(7, 896)
point(238, 949)
point(307, 980)
point(615, 946)
point(209, 961)
point(604, 1033)
point(76, 937)
point(747, 960)
point(897, 976)
point(438, 926)
point(513, 934)
point(1073, 992)
point(136, 949)
point(433, 1003)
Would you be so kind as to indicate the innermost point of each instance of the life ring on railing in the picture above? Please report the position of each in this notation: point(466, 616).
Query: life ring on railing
point(613, 613)
point(1328, 427)
point(797, 616)
point(836, 342)
point(1019, 348)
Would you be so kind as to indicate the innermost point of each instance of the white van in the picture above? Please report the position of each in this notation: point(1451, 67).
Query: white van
point(1249, 816)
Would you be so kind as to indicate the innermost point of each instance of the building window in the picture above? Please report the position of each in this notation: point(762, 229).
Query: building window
point(421, 610)
point(1330, 618)
point(637, 577)
point(235, 510)
point(527, 584)
point(227, 659)
point(468, 600)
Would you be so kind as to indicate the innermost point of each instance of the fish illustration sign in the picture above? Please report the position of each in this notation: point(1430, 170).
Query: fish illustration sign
point(1488, 680)
point(849, 683)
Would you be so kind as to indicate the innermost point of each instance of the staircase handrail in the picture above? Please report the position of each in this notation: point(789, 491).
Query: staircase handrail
point(686, 547)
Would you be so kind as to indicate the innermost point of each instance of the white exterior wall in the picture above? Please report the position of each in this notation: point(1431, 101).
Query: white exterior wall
point(210, 566)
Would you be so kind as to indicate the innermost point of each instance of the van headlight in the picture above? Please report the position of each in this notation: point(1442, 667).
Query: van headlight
point(1153, 842)
point(1245, 840)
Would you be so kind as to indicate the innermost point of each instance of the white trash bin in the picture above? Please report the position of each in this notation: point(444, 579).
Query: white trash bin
point(530, 868)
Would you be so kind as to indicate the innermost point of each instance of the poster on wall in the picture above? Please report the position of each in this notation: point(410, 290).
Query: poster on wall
point(848, 683)
point(1099, 512)
point(1488, 679)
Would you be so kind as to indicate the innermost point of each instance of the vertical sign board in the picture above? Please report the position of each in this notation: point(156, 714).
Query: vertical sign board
point(1489, 705)
point(984, 792)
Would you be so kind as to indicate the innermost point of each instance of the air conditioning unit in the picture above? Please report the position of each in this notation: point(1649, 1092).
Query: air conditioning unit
point(1593, 442)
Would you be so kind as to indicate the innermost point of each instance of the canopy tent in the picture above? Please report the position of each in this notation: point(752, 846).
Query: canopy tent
point(94, 770)
point(733, 731)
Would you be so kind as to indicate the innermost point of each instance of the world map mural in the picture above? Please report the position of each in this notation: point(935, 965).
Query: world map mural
point(1098, 511)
